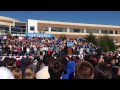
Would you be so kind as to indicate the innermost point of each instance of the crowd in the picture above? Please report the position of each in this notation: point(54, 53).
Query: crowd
point(49, 58)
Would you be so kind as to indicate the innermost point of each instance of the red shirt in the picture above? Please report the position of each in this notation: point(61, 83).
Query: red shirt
point(48, 51)
point(18, 49)
point(18, 62)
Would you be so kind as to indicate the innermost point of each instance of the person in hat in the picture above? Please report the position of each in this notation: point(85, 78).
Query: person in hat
point(69, 74)
point(5, 73)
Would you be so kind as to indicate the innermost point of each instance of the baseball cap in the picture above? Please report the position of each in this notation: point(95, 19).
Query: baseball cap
point(5, 73)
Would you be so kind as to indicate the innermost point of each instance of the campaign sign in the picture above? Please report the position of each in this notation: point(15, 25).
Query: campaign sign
point(69, 44)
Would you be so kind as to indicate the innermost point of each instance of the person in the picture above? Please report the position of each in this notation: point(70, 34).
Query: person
point(17, 73)
point(39, 65)
point(69, 74)
point(43, 73)
point(11, 62)
point(29, 73)
point(102, 71)
point(23, 63)
point(5, 73)
point(0, 50)
point(84, 70)
point(55, 69)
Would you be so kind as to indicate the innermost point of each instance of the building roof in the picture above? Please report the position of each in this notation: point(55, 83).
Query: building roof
point(8, 19)
point(77, 24)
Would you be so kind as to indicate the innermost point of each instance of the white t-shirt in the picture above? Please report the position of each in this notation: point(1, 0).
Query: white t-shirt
point(46, 48)
point(22, 48)
point(43, 48)
point(43, 73)
point(28, 50)
point(35, 49)
point(33, 46)
point(4, 37)
point(20, 38)
point(10, 47)
point(3, 57)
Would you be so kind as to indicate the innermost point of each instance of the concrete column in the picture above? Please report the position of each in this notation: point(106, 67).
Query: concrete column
point(68, 29)
point(49, 29)
point(84, 30)
point(99, 31)
point(26, 28)
point(113, 32)
point(10, 29)
point(13, 23)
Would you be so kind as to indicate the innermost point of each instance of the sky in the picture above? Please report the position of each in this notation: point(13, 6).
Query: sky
point(90, 17)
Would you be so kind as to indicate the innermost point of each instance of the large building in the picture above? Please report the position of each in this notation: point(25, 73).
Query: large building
point(69, 29)
point(13, 26)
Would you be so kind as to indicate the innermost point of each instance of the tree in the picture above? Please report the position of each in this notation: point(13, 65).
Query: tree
point(63, 37)
point(9, 35)
point(91, 38)
point(107, 43)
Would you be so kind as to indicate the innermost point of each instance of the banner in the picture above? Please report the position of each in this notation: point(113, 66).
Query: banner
point(30, 35)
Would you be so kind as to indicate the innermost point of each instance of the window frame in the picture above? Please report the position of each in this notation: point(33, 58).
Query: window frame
point(33, 28)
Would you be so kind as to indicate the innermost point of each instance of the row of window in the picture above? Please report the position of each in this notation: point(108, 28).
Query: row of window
point(92, 31)
point(108, 32)
point(55, 29)
point(20, 28)
point(14, 30)
point(4, 29)
point(20, 25)
point(76, 30)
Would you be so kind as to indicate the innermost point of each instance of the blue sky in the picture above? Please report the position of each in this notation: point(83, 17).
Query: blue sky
point(90, 17)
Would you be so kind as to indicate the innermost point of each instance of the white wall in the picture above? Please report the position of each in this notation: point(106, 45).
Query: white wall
point(18, 34)
point(32, 23)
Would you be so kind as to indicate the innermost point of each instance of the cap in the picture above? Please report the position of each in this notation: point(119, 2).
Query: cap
point(5, 73)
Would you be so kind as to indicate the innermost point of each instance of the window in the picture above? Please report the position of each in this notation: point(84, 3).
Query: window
point(110, 32)
point(116, 32)
point(46, 29)
point(15, 30)
point(23, 31)
point(32, 28)
point(20, 25)
point(55, 29)
point(104, 32)
point(92, 31)
point(4, 29)
point(76, 30)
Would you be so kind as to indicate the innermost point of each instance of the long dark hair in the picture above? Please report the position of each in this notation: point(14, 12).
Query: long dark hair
point(38, 66)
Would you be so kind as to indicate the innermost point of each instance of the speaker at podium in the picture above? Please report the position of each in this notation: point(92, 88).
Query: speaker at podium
point(69, 47)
